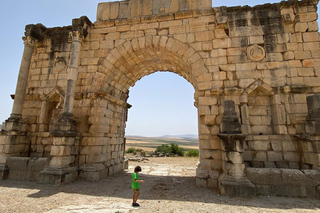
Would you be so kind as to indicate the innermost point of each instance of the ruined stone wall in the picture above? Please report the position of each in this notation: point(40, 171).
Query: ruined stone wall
point(287, 34)
point(272, 151)
point(264, 58)
point(136, 8)
point(45, 89)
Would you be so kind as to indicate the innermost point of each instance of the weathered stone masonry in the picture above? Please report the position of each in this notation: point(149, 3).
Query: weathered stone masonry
point(253, 70)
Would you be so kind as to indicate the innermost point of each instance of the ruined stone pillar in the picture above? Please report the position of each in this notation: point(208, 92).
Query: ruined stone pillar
point(29, 43)
point(13, 138)
point(313, 119)
point(233, 181)
point(66, 122)
point(72, 72)
point(309, 141)
point(63, 166)
point(33, 34)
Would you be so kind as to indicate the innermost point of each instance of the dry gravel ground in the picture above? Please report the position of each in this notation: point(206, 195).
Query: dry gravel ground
point(169, 187)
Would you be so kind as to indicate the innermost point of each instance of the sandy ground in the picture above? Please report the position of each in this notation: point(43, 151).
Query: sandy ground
point(169, 187)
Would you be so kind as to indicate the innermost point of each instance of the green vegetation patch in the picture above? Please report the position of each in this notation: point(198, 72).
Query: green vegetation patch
point(173, 148)
point(132, 150)
point(192, 153)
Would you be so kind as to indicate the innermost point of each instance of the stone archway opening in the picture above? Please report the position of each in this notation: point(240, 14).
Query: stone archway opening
point(141, 60)
point(162, 105)
point(168, 116)
point(117, 73)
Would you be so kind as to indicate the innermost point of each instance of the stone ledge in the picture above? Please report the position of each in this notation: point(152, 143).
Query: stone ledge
point(25, 168)
point(232, 186)
point(285, 182)
point(58, 176)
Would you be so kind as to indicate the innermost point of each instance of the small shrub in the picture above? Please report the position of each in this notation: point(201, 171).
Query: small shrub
point(163, 148)
point(173, 148)
point(192, 153)
point(131, 150)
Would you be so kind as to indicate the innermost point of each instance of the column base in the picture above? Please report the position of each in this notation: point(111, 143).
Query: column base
point(4, 172)
point(233, 186)
point(58, 176)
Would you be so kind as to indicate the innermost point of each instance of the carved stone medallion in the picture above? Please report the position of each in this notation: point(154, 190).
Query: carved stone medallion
point(256, 52)
point(60, 64)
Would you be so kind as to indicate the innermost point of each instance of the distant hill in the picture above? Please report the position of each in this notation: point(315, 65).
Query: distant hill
point(151, 143)
point(180, 136)
point(165, 136)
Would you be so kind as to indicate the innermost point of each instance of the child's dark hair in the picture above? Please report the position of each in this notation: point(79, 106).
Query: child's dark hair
point(137, 169)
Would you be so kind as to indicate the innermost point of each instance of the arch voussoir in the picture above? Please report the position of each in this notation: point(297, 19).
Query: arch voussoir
point(163, 41)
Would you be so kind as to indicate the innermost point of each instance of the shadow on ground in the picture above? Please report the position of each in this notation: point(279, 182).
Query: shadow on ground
point(173, 188)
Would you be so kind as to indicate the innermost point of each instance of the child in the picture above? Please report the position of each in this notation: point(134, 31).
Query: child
point(136, 186)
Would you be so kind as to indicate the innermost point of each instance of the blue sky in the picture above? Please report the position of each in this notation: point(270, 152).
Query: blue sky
point(162, 102)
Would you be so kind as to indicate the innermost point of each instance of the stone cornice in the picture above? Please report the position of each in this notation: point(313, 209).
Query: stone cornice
point(38, 31)
point(81, 25)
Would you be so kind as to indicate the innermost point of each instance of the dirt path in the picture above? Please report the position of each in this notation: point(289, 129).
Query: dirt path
point(169, 187)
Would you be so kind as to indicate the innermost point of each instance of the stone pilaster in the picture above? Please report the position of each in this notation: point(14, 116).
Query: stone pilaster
point(278, 116)
point(245, 119)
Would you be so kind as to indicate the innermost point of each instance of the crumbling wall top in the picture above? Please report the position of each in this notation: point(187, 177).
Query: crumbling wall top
point(136, 8)
point(275, 6)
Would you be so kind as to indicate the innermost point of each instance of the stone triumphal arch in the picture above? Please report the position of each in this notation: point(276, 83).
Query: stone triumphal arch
point(255, 71)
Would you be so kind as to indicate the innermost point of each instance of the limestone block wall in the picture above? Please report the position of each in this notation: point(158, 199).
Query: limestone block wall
point(136, 8)
point(102, 146)
point(310, 156)
point(264, 58)
point(272, 151)
point(279, 106)
point(285, 182)
point(259, 116)
point(45, 90)
point(26, 168)
point(266, 31)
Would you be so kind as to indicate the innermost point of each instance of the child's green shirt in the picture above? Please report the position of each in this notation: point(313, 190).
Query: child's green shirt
point(135, 185)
